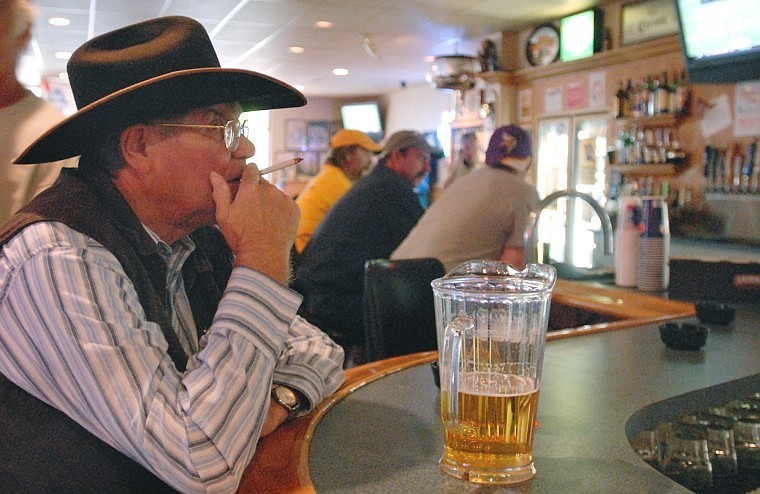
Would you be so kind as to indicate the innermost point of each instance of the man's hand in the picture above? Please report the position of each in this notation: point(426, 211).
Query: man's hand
point(276, 415)
point(259, 223)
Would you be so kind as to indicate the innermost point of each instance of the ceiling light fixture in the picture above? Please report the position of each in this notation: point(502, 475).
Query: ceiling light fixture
point(369, 47)
point(296, 49)
point(340, 71)
point(323, 24)
point(455, 72)
point(59, 21)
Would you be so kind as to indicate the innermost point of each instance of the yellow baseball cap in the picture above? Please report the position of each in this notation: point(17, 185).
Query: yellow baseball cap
point(345, 137)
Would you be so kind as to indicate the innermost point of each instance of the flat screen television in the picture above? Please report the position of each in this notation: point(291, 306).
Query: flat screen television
point(364, 116)
point(580, 35)
point(720, 39)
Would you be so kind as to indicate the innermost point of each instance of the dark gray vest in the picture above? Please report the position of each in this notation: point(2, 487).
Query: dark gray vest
point(42, 449)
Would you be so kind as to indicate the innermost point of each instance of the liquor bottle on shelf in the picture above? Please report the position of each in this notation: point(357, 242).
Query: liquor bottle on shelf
point(651, 94)
point(620, 101)
point(682, 95)
point(662, 105)
point(636, 99)
point(674, 106)
point(747, 166)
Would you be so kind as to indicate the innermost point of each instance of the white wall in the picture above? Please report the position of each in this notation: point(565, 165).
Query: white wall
point(416, 108)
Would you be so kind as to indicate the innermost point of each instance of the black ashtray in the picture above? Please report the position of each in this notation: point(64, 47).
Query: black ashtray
point(436, 373)
point(683, 335)
point(715, 313)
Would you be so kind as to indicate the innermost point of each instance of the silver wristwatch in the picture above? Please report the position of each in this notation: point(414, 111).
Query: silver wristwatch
point(287, 398)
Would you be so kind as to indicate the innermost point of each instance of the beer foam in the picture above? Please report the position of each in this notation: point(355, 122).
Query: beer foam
point(495, 384)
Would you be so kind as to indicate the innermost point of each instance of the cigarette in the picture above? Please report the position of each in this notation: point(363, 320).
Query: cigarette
point(280, 166)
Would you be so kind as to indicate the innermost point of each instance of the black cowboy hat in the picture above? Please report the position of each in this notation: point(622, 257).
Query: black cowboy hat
point(153, 68)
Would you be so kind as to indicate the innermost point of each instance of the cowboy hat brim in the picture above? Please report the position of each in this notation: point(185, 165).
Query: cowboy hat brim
point(162, 95)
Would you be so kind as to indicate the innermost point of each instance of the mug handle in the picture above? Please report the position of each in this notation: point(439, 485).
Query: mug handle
point(452, 351)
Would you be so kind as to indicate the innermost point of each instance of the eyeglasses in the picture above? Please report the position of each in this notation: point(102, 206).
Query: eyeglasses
point(233, 130)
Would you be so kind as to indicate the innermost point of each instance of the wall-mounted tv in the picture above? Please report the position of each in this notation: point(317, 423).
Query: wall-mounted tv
point(581, 35)
point(720, 39)
point(364, 116)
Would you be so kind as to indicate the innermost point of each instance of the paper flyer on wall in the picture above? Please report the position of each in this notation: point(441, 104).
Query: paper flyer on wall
point(747, 109)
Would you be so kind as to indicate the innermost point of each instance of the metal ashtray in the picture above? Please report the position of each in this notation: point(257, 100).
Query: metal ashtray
point(683, 335)
point(715, 313)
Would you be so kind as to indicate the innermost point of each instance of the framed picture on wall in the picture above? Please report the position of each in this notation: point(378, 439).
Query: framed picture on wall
point(309, 166)
point(318, 135)
point(286, 174)
point(647, 20)
point(335, 126)
point(524, 105)
point(295, 135)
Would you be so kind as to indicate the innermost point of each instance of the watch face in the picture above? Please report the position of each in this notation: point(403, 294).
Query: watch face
point(286, 396)
point(542, 47)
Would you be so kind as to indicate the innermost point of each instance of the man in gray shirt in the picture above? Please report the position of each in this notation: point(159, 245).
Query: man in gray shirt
point(482, 215)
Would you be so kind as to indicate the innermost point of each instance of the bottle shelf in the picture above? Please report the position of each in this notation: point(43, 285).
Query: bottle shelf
point(646, 169)
point(661, 120)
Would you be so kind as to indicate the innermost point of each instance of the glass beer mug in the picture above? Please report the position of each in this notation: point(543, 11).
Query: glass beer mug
point(491, 321)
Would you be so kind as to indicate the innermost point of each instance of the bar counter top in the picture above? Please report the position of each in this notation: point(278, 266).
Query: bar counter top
point(381, 431)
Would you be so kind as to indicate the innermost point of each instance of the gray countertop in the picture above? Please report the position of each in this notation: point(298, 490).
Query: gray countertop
point(713, 251)
point(387, 437)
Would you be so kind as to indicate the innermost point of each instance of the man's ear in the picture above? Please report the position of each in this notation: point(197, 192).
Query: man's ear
point(133, 145)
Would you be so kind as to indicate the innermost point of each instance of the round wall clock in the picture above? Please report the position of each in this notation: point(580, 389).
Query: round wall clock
point(542, 47)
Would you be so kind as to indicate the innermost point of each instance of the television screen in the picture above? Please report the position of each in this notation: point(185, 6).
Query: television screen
point(721, 39)
point(363, 116)
point(580, 35)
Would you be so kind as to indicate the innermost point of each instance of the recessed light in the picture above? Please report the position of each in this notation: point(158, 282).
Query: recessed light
point(299, 87)
point(296, 49)
point(340, 71)
point(63, 55)
point(323, 24)
point(59, 21)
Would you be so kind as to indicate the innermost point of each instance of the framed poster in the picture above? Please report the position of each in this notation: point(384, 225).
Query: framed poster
point(318, 135)
point(309, 166)
point(525, 105)
point(648, 20)
point(335, 126)
point(286, 174)
point(295, 135)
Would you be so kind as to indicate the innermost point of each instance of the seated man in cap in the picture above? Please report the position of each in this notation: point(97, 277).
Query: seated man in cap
point(368, 222)
point(351, 154)
point(143, 296)
point(482, 215)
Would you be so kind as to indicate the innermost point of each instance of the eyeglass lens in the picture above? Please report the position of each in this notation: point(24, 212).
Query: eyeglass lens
point(232, 132)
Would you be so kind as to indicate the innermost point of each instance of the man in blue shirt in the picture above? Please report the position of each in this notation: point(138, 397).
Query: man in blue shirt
point(369, 222)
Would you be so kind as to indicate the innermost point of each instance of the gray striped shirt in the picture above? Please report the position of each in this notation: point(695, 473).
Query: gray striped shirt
point(75, 336)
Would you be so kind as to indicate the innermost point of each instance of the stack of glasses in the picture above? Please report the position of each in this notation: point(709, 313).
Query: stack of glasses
point(715, 450)
point(654, 245)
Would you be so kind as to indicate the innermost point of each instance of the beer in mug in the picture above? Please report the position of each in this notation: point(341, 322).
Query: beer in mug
point(493, 428)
